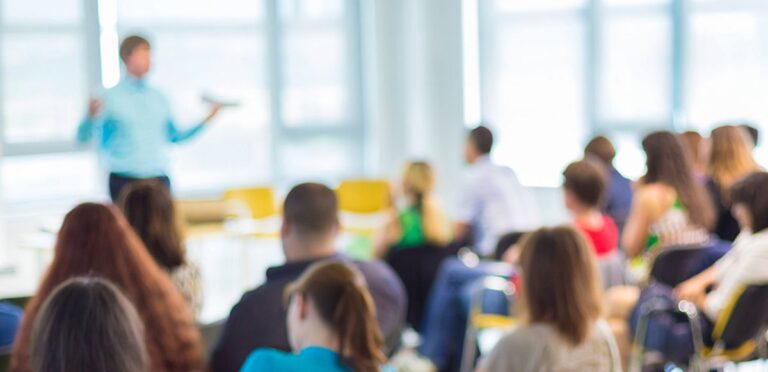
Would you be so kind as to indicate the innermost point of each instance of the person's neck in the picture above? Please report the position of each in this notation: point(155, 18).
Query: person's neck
point(134, 77)
point(320, 336)
point(587, 216)
point(307, 249)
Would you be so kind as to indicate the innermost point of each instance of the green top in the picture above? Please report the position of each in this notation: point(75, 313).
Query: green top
point(412, 228)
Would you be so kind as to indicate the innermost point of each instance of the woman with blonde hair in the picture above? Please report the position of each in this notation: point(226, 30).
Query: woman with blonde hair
point(331, 325)
point(730, 159)
point(422, 220)
point(561, 302)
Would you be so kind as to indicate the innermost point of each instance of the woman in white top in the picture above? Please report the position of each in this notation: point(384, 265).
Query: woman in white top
point(562, 306)
point(745, 264)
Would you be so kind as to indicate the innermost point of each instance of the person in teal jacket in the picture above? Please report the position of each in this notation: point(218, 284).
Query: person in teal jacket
point(329, 310)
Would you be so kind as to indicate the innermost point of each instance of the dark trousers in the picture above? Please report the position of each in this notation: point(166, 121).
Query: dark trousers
point(118, 182)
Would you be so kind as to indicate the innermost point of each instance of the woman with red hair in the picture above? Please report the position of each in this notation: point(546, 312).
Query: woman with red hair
point(95, 239)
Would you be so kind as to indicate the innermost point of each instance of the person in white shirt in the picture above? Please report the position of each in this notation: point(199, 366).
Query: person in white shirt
point(492, 201)
point(745, 263)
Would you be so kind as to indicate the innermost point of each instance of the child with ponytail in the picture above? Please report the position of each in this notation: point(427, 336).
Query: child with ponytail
point(331, 325)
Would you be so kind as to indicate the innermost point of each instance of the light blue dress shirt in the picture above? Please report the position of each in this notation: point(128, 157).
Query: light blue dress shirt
point(133, 130)
point(313, 358)
point(494, 203)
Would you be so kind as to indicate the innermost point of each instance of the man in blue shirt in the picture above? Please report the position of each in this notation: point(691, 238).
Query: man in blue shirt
point(132, 123)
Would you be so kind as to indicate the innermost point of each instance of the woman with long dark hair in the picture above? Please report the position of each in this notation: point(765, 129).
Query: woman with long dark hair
point(331, 325)
point(669, 206)
point(148, 207)
point(95, 239)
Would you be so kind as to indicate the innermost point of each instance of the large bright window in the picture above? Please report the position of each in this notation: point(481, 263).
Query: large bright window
point(555, 72)
point(533, 83)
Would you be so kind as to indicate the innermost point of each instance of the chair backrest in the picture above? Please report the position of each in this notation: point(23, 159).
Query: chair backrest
point(259, 200)
point(417, 268)
point(507, 241)
point(672, 266)
point(743, 318)
point(363, 195)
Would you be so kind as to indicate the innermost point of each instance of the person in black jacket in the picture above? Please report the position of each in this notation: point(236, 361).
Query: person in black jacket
point(309, 230)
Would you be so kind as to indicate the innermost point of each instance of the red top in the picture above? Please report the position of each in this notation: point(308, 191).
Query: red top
point(604, 239)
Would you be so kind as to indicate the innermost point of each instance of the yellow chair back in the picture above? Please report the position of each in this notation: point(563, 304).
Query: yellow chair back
point(363, 195)
point(259, 200)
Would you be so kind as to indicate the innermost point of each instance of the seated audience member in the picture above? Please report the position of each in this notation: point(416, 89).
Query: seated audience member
point(561, 306)
point(10, 318)
point(331, 325)
point(695, 146)
point(619, 191)
point(669, 207)
point(96, 239)
point(492, 200)
point(743, 265)
point(86, 324)
point(148, 207)
point(584, 188)
point(730, 159)
point(309, 230)
point(422, 220)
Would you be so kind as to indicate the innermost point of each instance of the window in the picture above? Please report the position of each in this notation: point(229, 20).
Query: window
point(532, 83)
point(43, 66)
point(728, 65)
point(45, 77)
point(556, 72)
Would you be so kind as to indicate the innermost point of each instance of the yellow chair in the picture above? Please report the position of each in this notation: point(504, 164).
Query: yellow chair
point(363, 196)
point(260, 201)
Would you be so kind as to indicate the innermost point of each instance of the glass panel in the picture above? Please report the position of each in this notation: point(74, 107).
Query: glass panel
point(635, 82)
point(322, 158)
point(42, 11)
point(43, 86)
point(538, 5)
point(535, 96)
point(227, 66)
point(621, 3)
point(185, 11)
point(50, 176)
point(728, 68)
point(311, 10)
point(315, 93)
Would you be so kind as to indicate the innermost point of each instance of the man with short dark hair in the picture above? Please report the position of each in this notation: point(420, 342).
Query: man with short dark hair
point(309, 229)
point(493, 202)
point(133, 124)
point(618, 198)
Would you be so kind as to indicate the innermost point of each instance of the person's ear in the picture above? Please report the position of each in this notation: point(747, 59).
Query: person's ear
point(285, 227)
point(336, 226)
point(303, 306)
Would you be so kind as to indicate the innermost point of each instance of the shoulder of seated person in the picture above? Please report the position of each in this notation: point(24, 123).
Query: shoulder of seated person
point(654, 190)
point(265, 357)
